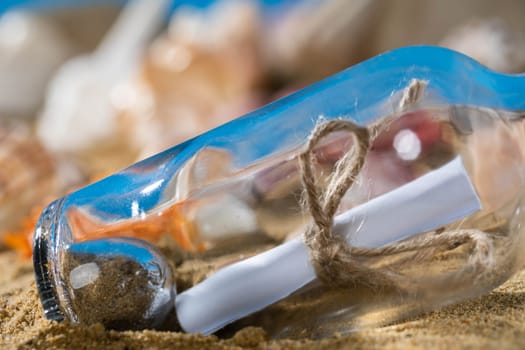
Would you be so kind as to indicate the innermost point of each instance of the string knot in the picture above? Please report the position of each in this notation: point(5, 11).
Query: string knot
point(330, 254)
point(336, 262)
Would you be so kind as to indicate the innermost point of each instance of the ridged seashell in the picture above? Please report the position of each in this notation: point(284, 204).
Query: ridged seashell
point(202, 73)
point(27, 175)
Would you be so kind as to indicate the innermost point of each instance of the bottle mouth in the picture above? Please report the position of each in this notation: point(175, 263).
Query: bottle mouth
point(147, 274)
point(45, 245)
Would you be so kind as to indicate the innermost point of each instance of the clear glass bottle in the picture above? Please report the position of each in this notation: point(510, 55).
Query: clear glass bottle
point(241, 182)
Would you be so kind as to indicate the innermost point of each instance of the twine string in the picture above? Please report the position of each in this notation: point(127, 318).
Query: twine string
point(339, 264)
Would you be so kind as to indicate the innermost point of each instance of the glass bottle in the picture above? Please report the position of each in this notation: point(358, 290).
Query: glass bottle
point(241, 182)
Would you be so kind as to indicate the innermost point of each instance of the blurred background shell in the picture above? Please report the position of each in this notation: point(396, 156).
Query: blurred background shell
point(26, 61)
point(27, 174)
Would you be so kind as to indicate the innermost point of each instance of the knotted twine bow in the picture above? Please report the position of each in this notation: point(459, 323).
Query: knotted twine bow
point(339, 264)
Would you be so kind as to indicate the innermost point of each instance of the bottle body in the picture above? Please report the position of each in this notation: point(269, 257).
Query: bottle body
point(241, 182)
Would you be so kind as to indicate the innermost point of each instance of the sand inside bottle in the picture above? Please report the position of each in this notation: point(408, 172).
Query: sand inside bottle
point(118, 299)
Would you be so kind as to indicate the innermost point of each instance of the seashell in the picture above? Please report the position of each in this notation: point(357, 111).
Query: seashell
point(31, 49)
point(30, 178)
point(27, 175)
point(313, 39)
point(78, 119)
point(493, 43)
point(202, 73)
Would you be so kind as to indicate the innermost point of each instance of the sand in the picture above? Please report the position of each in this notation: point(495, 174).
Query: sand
point(496, 320)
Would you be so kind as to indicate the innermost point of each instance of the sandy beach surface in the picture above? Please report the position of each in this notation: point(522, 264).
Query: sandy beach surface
point(496, 320)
